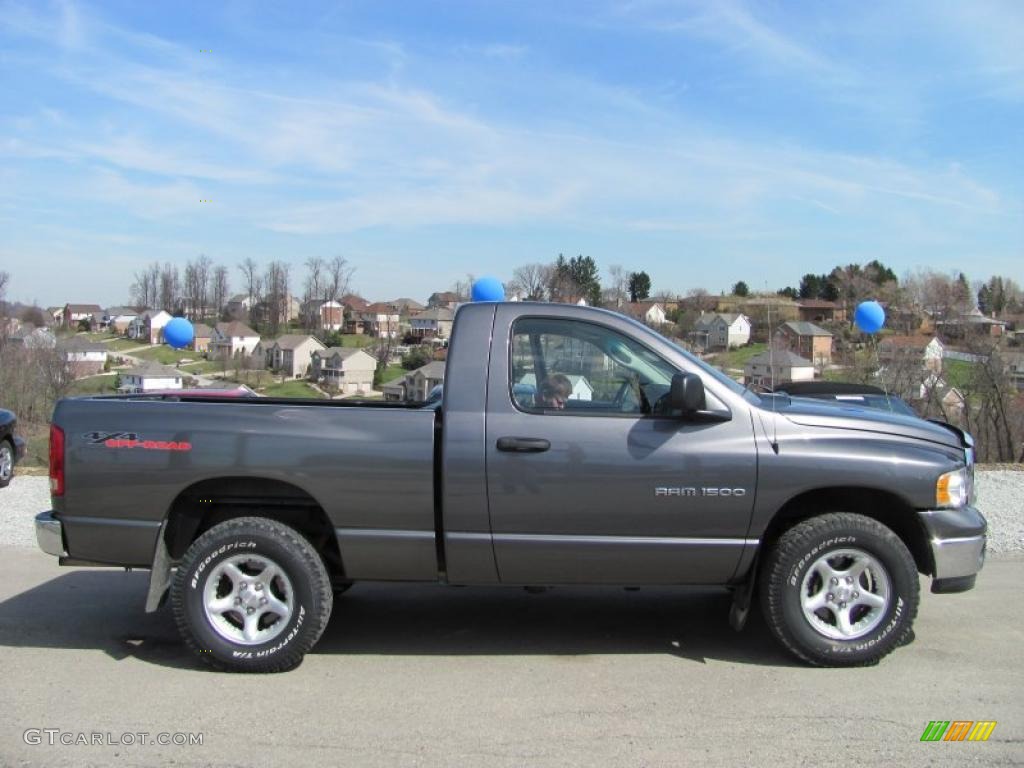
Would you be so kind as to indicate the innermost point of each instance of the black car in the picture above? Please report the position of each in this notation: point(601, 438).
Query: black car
point(12, 447)
point(863, 395)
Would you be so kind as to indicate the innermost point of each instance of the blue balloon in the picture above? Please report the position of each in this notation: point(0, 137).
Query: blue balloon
point(488, 289)
point(869, 317)
point(178, 333)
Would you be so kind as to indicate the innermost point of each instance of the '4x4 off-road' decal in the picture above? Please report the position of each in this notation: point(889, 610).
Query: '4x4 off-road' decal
point(132, 440)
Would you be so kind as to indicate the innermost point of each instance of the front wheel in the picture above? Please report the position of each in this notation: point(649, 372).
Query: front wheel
point(6, 463)
point(840, 590)
point(251, 595)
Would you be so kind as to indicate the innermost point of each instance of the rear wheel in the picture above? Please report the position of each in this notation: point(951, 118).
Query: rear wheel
point(840, 590)
point(251, 595)
point(6, 463)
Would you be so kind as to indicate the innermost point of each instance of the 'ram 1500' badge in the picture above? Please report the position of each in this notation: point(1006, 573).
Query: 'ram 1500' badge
point(698, 492)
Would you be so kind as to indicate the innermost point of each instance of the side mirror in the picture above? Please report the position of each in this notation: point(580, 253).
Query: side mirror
point(687, 393)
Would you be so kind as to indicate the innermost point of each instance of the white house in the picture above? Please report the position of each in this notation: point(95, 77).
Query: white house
point(581, 388)
point(346, 369)
point(149, 326)
point(293, 355)
point(777, 367)
point(648, 312)
point(149, 377)
point(432, 324)
point(118, 319)
point(722, 331)
point(927, 350)
point(381, 319)
point(84, 357)
point(30, 337)
point(230, 339)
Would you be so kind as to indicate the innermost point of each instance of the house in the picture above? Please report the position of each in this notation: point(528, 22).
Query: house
point(432, 324)
point(445, 299)
point(582, 389)
point(415, 386)
point(935, 389)
point(73, 315)
point(148, 327)
point(381, 319)
point(776, 367)
point(927, 350)
point(230, 339)
point(239, 306)
point(408, 307)
point(346, 369)
point(819, 311)
point(353, 302)
point(1014, 362)
point(332, 316)
point(30, 337)
point(292, 355)
point(721, 331)
point(149, 377)
point(118, 320)
point(201, 336)
point(84, 358)
point(808, 340)
point(648, 312)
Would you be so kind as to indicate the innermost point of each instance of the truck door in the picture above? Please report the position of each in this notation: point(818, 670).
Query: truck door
point(585, 482)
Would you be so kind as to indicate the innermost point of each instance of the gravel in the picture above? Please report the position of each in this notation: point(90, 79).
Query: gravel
point(1000, 498)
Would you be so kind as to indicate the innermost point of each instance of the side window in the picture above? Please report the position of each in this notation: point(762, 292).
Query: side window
point(571, 367)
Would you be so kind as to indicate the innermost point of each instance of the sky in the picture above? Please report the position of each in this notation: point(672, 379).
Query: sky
point(703, 143)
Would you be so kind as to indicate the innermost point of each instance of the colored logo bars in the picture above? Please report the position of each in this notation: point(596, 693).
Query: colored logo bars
point(958, 730)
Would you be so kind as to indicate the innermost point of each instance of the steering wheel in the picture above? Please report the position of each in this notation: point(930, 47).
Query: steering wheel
point(619, 401)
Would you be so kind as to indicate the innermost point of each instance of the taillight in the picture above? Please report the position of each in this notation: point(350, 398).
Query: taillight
point(56, 460)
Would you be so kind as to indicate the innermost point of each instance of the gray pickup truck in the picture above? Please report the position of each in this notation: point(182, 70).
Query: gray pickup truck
point(571, 446)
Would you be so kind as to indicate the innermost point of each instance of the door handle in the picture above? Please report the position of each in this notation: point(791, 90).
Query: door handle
point(523, 444)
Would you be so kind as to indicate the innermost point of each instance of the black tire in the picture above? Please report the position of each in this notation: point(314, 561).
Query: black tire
point(795, 579)
point(6, 462)
point(248, 547)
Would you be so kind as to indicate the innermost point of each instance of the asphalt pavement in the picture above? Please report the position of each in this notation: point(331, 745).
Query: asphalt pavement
point(428, 675)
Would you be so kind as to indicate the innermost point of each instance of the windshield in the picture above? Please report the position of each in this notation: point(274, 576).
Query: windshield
point(727, 381)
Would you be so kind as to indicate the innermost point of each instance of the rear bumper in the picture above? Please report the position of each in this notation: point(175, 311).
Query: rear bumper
point(957, 538)
point(50, 534)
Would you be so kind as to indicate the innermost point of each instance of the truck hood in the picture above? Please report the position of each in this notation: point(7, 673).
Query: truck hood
point(809, 412)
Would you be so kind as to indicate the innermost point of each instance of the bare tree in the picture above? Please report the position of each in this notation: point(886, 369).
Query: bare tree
point(145, 290)
point(531, 281)
point(617, 292)
point(275, 300)
point(170, 287)
point(221, 289)
point(338, 275)
point(250, 278)
point(315, 267)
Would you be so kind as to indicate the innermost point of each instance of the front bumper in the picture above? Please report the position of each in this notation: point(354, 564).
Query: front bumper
point(957, 538)
point(50, 534)
point(20, 447)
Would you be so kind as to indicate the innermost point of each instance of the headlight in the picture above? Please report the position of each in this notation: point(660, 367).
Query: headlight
point(952, 489)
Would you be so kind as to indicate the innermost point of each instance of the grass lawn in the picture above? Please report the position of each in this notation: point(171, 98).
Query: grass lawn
point(391, 373)
point(290, 389)
point(203, 367)
point(737, 358)
point(356, 340)
point(99, 336)
point(94, 385)
point(124, 345)
point(165, 355)
point(958, 373)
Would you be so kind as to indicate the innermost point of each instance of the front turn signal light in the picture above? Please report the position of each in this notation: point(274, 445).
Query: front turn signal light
point(951, 490)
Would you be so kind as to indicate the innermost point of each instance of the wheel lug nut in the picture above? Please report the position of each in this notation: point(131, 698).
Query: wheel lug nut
point(849, 580)
point(250, 611)
point(831, 597)
point(238, 601)
point(833, 581)
point(264, 601)
point(841, 605)
point(856, 595)
point(259, 587)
